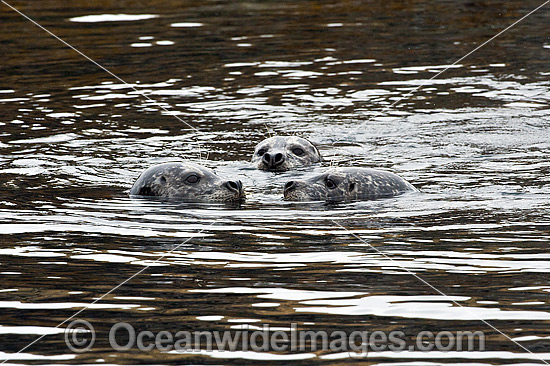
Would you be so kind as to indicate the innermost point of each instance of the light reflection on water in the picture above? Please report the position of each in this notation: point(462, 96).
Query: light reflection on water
point(474, 141)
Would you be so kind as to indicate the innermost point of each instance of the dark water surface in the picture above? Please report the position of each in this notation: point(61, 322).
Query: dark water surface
point(475, 142)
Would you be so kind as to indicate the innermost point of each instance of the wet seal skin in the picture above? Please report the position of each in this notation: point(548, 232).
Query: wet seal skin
point(188, 182)
point(282, 153)
point(347, 184)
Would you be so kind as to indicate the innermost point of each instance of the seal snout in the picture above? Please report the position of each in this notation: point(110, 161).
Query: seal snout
point(290, 190)
point(273, 161)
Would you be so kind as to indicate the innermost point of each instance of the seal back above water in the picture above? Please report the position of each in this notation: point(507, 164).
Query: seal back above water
point(186, 181)
point(347, 184)
point(282, 153)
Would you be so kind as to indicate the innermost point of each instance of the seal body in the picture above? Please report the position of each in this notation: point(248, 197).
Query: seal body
point(186, 181)
point(282, 153)
point(347, 184)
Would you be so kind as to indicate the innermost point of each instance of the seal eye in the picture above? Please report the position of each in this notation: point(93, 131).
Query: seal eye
point(261, 152)
point(330, 184)
point(298, 151)
point(192, 179)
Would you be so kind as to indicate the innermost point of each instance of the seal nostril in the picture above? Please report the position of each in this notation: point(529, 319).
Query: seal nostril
point(278, 158)
point(266, 158)
point(290, 185)
point(233, 186)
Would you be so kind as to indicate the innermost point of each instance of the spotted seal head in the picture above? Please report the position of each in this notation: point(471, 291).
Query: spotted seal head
point(281, 153)
point(187, 182)
point(347, 184)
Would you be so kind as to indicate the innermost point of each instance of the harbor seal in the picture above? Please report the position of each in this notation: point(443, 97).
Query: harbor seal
point(282, 153)
point(347, 184)
point(187, 182)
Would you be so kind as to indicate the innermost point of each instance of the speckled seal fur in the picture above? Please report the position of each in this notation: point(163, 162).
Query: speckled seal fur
point(347, 184)
point(282, 153)
point(187, 182)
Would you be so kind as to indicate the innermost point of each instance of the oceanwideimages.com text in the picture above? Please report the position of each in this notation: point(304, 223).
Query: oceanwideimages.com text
point(80, 336)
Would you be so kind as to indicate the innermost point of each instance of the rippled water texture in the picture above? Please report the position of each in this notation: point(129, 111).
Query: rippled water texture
point(206, 81)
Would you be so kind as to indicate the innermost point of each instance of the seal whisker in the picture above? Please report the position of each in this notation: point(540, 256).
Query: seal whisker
point(269, 132)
